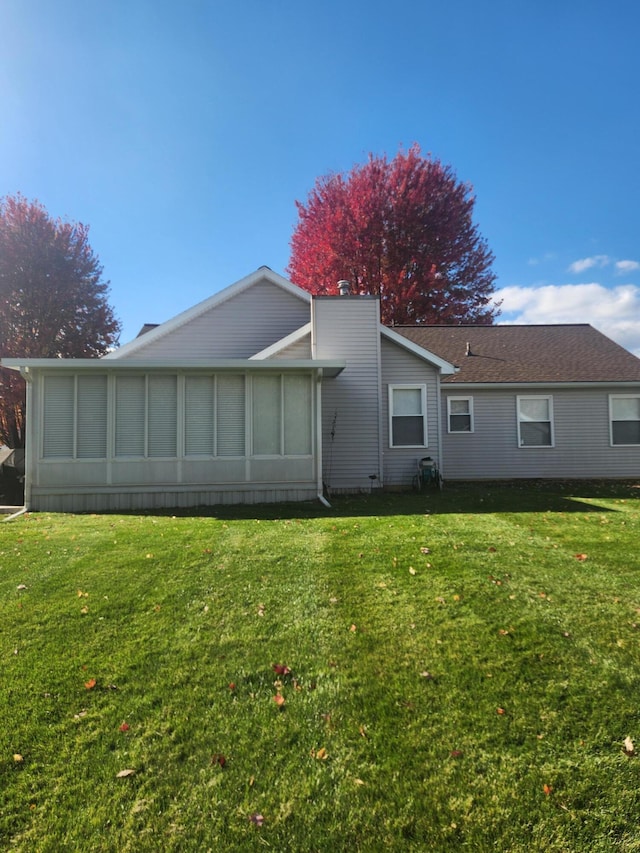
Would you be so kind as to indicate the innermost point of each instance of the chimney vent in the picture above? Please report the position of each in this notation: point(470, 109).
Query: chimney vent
point(344, 288)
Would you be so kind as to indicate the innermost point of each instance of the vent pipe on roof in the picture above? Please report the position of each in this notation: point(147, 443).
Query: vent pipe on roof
point(469, 349)
point(344, 288)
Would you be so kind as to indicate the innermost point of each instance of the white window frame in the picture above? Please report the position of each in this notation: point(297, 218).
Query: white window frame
point(471, 429)
point(146, 420)
point(423, 402)
point(74, 417)
point(520, 420)
point(283, 438)
point(613, 397)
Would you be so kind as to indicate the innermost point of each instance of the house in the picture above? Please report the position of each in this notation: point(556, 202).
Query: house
point(265, 393)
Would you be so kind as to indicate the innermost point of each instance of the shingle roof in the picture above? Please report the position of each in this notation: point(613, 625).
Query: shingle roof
point(558, 353)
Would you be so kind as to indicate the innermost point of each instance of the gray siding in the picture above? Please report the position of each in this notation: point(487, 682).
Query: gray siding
point(126, 500)
point(301, 349)
point(347, 327)
point(400, 367)
point(241, 326)
point(113, 483)
point(582, 446)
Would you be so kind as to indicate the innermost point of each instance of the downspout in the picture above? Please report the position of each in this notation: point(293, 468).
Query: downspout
point(440, 427)
point(28, 443)
point(319, 485)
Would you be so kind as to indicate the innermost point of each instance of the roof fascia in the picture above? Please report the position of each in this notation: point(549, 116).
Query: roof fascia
point(328, 367)
point(445, 367)
point(207, 304)
point(536, 386)
point(283, 343)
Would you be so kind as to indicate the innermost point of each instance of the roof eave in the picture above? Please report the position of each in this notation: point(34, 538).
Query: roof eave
point(560, 384)
point(446, 368)
point(328, 367)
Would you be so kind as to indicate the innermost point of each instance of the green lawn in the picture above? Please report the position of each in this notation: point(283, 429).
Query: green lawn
point(457, 671)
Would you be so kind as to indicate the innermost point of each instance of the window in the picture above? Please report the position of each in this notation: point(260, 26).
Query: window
point(230, 415)
point(146, 415)
point(460, 414)
point(282, 415)
point(535, 421)
point(407, 416)
point(624, 411)
point(75, 417)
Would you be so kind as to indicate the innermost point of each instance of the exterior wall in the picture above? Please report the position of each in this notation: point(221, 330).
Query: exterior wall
point(301, 349)
point(124, 500)
point(135, 482)
point(582, 443)
point(401, 367)
point(246, 323)
point(347, 327)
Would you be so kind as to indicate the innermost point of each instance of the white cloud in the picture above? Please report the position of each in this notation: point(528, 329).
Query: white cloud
point(615, 311)
point(588, 263)
point(548, 256)
point(623, 267)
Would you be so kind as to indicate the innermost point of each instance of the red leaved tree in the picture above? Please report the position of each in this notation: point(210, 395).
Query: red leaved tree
point(53, 301)
point(401, 229)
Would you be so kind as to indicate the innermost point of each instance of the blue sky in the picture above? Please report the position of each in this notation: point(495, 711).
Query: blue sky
point(183, 133)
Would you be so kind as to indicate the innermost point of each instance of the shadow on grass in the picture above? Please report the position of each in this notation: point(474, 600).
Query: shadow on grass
point(515, 497)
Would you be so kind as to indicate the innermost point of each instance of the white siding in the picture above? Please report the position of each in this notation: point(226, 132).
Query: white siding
point(400, 367)
point(241, 326)
point(582, 445)
point(347, 327)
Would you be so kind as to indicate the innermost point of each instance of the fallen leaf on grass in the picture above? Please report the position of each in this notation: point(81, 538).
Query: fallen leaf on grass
point(124, 773)
point(412, 571)
point(363, 732)
point(90, 684)
point(279, 700)
point(492, 550)
point(18, 758)
point(82, 594)
point(500, 711)
point(281, 669)
point(232, 685)
point(124, 727)
point(629, 748)
point(581, 557)
point(22, 586)
point(320, 754)
point(547, 789)
point(426, 674)
point(218, 758)
point(256, 819)
point(84, 610)
point(261, 610)
point(425, 550)
point(359, 782)
point(456, 753)
point(440, 600)
point(353, 629)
